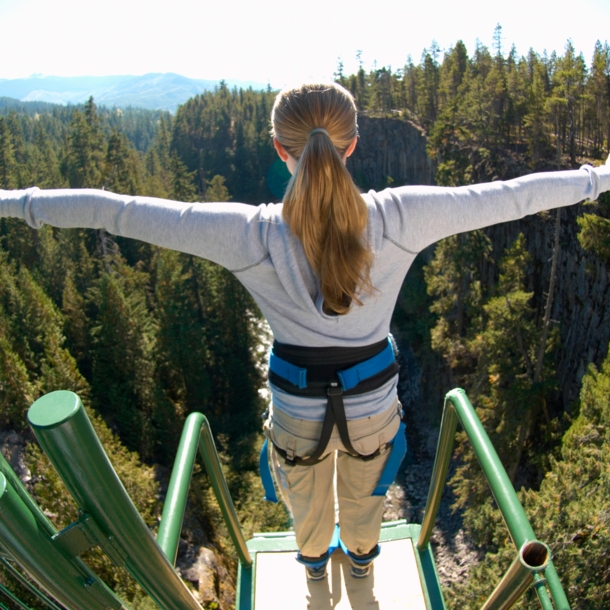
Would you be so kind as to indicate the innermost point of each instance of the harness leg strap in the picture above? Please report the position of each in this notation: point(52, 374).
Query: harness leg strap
point(265, 470)
point(397, 454)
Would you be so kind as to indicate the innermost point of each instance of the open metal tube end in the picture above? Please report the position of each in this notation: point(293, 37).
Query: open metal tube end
point(534, 555)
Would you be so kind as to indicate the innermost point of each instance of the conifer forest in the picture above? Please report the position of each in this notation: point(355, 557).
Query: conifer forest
point(146, 336)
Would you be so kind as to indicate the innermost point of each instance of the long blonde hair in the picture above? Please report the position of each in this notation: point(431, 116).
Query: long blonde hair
point(322, 205)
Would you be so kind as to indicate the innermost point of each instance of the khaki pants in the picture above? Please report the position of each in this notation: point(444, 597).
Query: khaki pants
point(308, 491)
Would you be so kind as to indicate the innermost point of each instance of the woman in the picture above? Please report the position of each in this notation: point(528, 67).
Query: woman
point(325, 268)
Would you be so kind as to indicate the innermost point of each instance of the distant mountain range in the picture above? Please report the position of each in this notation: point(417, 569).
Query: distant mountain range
point(152, 91)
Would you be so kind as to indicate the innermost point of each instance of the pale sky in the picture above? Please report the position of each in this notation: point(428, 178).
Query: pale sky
point(273, 41)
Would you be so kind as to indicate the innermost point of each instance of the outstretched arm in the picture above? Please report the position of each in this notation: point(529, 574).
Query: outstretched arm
point(416, 216)
point(227, 233)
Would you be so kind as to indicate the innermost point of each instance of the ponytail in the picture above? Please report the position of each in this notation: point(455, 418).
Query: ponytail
point(322, 205)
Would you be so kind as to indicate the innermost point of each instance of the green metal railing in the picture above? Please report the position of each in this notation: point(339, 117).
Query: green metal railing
point(27, 584)
point(107, 516)
point(31, 540)
point(197, 434)
point(532, 564)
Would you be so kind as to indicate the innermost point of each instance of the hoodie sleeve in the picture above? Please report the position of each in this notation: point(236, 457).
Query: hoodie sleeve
point(417, 216)
point(231, 234)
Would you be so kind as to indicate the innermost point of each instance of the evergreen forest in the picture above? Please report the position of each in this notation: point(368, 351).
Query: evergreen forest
point(146, 336)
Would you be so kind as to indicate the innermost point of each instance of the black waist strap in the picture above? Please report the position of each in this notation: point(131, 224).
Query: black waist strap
point(334, 373)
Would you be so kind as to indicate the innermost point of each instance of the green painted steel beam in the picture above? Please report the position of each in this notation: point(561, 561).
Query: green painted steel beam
point(71, 583)
point(65, 433)
point(458, 407)
point(197, 434)
point(12, 597)
point(28, 585)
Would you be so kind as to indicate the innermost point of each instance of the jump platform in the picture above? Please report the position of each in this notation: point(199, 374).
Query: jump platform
point(401, 577)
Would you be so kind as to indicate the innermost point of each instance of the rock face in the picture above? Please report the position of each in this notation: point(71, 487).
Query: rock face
point(12, 447)
point(581, 306)
point(390, 152)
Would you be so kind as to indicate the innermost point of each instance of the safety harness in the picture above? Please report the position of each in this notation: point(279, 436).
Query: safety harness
point(333, 372)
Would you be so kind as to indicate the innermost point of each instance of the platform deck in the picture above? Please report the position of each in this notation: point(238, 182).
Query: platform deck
point(281, 582)
point(401, 577)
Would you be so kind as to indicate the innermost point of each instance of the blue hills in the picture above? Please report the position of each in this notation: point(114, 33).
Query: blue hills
point(152, 91)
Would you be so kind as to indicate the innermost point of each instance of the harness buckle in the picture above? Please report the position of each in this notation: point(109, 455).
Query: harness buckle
point(334, 389)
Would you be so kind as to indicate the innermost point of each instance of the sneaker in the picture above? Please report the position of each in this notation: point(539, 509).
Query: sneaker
point(316, 573)
point(361, 571)
point(314, 566)
point(361, 564)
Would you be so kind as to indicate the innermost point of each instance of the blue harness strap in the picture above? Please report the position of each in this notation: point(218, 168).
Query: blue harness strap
point(267, 479)
point(351, 377)
point(397, 454)
point(295, 374)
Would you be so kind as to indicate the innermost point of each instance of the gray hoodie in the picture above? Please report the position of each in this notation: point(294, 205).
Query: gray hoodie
point(256, 245)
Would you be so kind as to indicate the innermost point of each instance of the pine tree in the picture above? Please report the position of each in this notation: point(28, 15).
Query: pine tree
point(123, 378)
point(84, 160)
point(594, 232)
point(182, 185)
point(8, 166)
point(216, 190)
point(122, 167)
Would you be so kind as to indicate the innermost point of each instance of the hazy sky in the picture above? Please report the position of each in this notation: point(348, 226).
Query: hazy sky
point(273, 41)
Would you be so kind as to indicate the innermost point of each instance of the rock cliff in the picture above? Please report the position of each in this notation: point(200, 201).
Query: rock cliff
point(581, 306)
point(390, 152)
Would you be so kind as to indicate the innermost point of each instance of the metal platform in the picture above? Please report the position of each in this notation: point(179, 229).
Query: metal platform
point(401, 577)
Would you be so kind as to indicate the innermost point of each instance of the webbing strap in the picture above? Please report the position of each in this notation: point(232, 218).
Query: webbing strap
point(335, 403)
point(265, 470)
point(390, 470)
point(351, 377)
point(297, 375)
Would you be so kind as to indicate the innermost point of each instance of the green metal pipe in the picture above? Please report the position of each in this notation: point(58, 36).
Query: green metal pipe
point(457, 406)
point(444, 451)
point(33, 549)
point(512, 511)
point(532, 557)
point(14, 599)
point(541, 591)
point(197, 433)
point(559, 596)
point(28, 585)
point(170, 527)
point(208, 452)
point(65, 434)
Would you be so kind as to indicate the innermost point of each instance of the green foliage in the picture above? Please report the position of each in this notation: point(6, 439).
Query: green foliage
point(491, 343)
point(216, 190)
point(86, 149)
point(594, 232)
point(8, 165)
point(452, 279)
